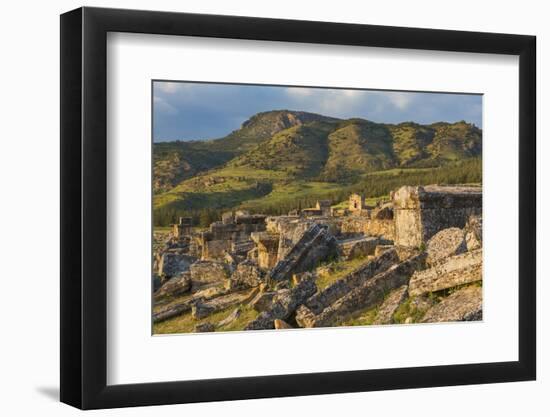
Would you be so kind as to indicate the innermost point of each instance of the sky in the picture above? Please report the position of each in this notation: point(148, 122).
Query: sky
point(197, 111)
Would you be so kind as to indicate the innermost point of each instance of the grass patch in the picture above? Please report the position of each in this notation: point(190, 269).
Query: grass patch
point(364, 318)
point(339, 270)
point(409, 309)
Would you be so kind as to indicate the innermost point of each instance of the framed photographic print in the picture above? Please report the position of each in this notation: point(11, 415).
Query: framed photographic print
point(257, 208)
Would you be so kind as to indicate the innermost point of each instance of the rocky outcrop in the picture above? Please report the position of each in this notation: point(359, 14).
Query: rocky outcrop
point(447, 242)
point(343, 286)
point(421, 212)
point(463, 305)
point(370, 293)
point(316, 245)
point(173, 263)
point(358, 246)
point(451, 272)
point(390, 305)
point(284, 305)
point(175, 286)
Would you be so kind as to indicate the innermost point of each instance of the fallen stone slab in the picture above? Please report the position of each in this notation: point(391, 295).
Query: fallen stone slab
point(390, 305)
point(445, 243)
point(315, 245)
point(370, 293)
point(233, 316)
point(284, 304)
point(338, 289)
point(172, 311)
point(183, 307)
point(175, 286)
point(263, 301)
point(205, 272)
point(463, 305)
point(202, 309)
point(204, 328)
point(172, 264)
point(453, 271)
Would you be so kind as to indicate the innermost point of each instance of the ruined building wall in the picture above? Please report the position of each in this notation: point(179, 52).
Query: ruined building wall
point(370, 227)
point(420, 212)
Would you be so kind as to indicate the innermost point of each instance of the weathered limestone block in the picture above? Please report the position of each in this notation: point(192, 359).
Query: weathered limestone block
point(175, 286)
point(316, 245)
point(204, 328)
point(281, 324)
point(215, 249)
point(370, 293)
point(451, 272)
point(202, 309)
point(203, 272)
point(420, 212)
point(305, 317)
point(267, 244)
point(284, 304)
point(474, 232)
point(358, 247)
point(463, 305)
point(343, 286)
point(247, 274)
point(172, 264)
point(445, 243)
point(233, 316)
point(390, 305)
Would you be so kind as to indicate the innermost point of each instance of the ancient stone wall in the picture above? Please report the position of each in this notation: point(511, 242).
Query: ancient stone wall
point(371, 227)
point(421, 212)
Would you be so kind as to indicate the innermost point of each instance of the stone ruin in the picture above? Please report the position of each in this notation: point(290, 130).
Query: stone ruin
point(420, 212)
point(356, 203)
point(231, 235)
point(425, 240)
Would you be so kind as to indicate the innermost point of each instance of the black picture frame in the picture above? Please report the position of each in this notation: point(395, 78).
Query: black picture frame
point(84, 207)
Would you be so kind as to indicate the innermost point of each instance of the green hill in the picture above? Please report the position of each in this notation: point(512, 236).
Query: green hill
point(175, 161)
point(282, 159)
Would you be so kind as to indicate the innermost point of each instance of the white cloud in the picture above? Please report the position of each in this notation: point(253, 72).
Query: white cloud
point(400, 100)
point(168, 87)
